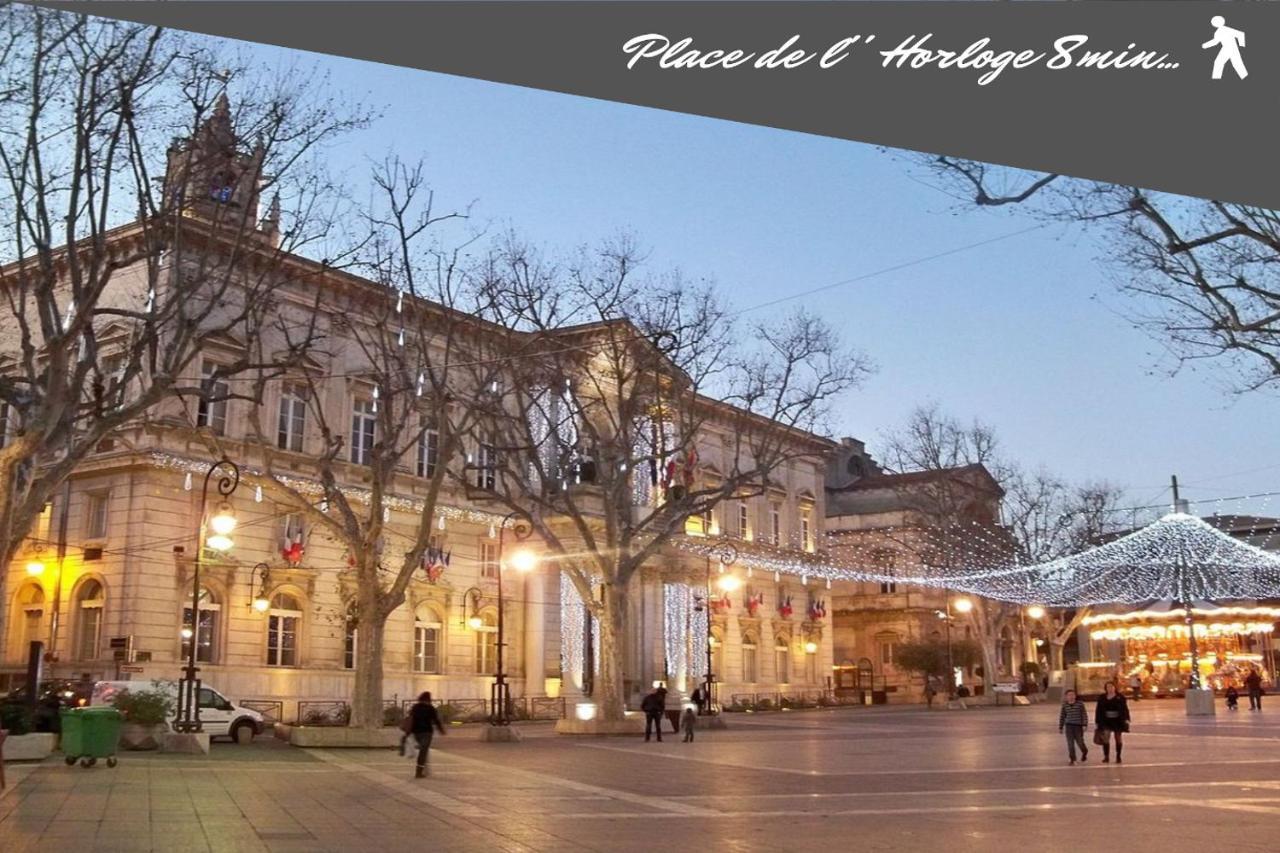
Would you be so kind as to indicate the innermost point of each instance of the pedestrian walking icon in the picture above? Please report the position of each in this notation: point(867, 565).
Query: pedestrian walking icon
point(1229, 41)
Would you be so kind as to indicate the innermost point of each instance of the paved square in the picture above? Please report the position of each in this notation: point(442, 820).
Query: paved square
point(864, 779)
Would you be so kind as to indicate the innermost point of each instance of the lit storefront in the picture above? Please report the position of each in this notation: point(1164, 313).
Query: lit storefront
point(1154, 644)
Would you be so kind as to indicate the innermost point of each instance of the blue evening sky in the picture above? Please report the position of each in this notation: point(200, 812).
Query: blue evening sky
point(1027, 334)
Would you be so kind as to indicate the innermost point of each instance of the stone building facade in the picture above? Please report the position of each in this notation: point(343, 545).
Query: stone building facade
point(105, 581)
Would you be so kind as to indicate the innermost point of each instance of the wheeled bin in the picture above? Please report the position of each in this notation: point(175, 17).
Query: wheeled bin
point(89, 734)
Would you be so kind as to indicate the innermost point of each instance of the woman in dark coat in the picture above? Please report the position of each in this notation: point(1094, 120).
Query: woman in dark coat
point(1111, 719)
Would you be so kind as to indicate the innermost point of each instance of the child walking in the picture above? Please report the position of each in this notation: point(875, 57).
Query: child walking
point(687, 722)
point(1073, 719)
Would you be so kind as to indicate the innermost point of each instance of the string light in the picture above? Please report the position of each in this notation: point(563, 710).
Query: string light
point(257, 494)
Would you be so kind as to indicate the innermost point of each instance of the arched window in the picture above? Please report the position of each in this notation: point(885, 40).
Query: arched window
point(487, 644)
point(717, 653)
point(750, 659)
point(89, 602)
point(427, 627)
point(206, 635)
point(284, 619)
point(30, 617)
point(782, 659)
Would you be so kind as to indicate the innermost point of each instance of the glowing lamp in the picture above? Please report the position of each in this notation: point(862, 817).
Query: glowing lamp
point(475, 623)
point(186, 633)
point(261, 604)
point(1035, 611)
point(35, 567)
point(523, 560)
point(728, 582)
point(962, 605)
point(585, 710)
point(219, 542)
point(223, 520)
point(811, 647)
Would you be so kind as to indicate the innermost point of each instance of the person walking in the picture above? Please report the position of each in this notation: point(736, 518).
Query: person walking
point(654, 706)
point(1233, 698)
point(1135, 686)
point(423, 718)
point(1111, 719)
point(1073, 719)
point(688, 720)
point(699, 699)
point(1253, 681)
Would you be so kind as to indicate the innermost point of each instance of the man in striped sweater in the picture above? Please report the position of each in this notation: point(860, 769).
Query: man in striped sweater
point(1074, 719)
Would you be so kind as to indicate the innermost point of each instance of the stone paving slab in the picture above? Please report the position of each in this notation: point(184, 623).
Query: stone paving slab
point(879, 779)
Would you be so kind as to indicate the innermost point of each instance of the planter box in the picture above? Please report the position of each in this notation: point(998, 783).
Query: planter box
point(341, 737)
point(36, 746)
point(138, 737)
point(633, 725)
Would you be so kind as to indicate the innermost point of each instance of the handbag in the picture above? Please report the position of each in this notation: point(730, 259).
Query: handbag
point(1099, 738)
point(406, 725)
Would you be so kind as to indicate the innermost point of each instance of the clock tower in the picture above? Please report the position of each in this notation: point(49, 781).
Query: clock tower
point(210, 176)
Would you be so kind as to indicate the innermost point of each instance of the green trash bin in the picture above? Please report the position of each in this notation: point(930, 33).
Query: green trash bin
point(89, 734)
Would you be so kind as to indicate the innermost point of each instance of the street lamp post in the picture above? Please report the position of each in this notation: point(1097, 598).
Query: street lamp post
point(222, 523)
point(963, 605)
point(500, 696)
point(728, 555)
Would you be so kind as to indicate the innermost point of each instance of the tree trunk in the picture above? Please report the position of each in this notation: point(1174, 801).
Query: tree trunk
point(610, 689)
point(1057, 655)
point(371, 627)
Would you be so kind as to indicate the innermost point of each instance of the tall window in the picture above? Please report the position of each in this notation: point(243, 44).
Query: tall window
point(811, 666)
point(428, 453)
point(806, 527)
point(113, 369)
point(886, 651)
point(364, 422)
point(88, 638)
point(426, 641)
point(31, 602)
point(489, 567)
point(775, 522)
point(207, 631)
point(486, 467)
point(211, 410)
point(293, 416)
point(782, 660)
point(750, 668)
point(95, 526)
point(283, 621)
point(350, 642)
point(487, 644)
point(744, 520)
point(885, 561)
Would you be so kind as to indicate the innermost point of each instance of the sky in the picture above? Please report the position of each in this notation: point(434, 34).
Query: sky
point(1027, 334)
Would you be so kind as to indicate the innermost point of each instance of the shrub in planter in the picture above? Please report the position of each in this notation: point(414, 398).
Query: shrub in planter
point(16, 719)
point(146, 717)
point(766, 704)
point(392, 715)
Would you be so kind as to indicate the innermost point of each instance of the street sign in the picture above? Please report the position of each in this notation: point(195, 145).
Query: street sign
point(132, 668)
point(1006, 687)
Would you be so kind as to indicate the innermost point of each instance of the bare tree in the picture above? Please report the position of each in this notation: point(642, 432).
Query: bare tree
point(393, 336)
point(605, 423)
point(952, 507)
point(1203, 272)
point(117, 278)
point(1049, 519)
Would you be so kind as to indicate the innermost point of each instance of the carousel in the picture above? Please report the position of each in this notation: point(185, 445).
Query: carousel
point(1153, 644)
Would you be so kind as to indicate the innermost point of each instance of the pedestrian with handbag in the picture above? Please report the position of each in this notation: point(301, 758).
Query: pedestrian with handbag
point(1111, 719)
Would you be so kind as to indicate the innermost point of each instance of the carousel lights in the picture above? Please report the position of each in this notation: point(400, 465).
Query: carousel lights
point(1179, 631)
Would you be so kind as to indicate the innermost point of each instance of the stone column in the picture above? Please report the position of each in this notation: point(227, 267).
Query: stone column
point(535, 638)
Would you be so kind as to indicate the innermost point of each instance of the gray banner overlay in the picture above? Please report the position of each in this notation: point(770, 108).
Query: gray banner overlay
point(1155, 118)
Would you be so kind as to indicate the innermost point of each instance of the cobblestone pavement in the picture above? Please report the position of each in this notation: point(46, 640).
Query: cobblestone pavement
point(862, 779)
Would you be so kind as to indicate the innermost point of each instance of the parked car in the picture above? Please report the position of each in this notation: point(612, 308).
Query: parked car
point(219, 716)
point(51, 698)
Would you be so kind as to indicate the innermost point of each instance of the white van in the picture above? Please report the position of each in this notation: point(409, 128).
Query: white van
point(219, 716)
